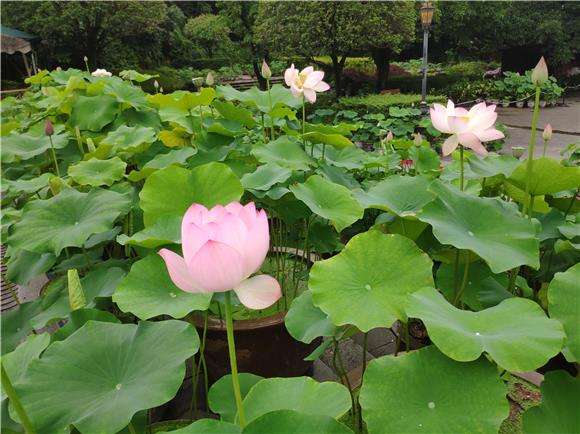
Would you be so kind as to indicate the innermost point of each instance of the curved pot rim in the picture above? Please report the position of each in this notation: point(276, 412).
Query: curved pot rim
point(216, 324)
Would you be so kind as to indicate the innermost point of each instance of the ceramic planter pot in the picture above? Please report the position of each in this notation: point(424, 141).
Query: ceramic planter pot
point(542, 103)
point(531, 103)
point(263, 347)
point(505, 104)
point(520, 104)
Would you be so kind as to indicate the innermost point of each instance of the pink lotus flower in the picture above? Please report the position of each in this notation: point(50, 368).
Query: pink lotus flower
point(467, 128)
point(306, 82)
point(222, 247)
point(101, 73)
point(540, 73)
point(547, 134)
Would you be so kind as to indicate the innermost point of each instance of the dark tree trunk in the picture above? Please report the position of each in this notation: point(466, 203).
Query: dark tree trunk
point(258, 73)
point(382, 59)
point(337, 68)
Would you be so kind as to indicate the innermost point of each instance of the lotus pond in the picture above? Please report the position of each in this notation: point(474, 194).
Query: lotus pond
point(204, 248)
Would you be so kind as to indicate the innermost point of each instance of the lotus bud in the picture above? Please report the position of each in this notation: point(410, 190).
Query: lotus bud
point(55, 184)
point(160, 90)
point(86, 59)
point(91, 145)
point(418, 139)
point(209, 79)
point(547, 134)
point(517, 151)
point(266, 72)
point(389, 136)
point(155, 84)
point(58, 68)
point(540, 73)
point(48, 128)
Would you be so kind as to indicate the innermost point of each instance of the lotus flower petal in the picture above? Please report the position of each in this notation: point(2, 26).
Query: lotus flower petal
point(232, 231)
point(257, 243)
point(310, 95)
point(490, 134)
point(313, 79)
point(469, 140)
point(290, 75)
point(321, 87)
point(450, 145)
point(193, 238)
point(258, 292)
point(178, 271)
point(307, 71)
point(217, 267)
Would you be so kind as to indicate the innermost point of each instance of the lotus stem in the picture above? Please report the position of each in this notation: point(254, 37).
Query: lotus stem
point(461, 169)
point(459, 296)
point(15, 401)
point(57, 170)
point(131, 428)
point(233, 363)
point(193, 405)
point(270, 103)
point(527, 197)
point(545, 148)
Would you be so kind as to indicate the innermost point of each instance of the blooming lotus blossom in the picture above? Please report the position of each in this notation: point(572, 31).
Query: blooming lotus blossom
point(467, 128)
point(101, 73)
point(222, 248)
point(306, 82)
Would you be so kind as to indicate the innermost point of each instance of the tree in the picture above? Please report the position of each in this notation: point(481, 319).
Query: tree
point(98, 30)
point(486, 29)
point(338, 30)
point(209, 32)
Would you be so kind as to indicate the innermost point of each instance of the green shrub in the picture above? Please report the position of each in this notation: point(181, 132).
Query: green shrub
point(381, 103)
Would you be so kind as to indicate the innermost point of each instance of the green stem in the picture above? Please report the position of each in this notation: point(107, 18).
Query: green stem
point(270, 103)
point(512, 282)
point(193, 404)
point(79, 141)
point(201, 116)
point(459, 296)
point(461, 169)
point(233, 363)
point(15, 401)
point(529, 167)
point(86, 255)
point(54, 157)
point(304, 124)
point(131, 428)
point(545, 148)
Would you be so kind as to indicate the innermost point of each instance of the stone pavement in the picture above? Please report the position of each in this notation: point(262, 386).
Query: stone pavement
point(565, 121)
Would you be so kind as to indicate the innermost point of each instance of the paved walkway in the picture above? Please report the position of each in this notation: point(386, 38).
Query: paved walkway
point(565, 121)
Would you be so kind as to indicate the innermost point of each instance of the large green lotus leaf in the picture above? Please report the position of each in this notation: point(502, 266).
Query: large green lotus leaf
point(67, 220)
point(132, 75)
point(348, 158)
point(491, 228)
point(279, 95)
point(104, 373)
point(161, 161)
point(374, 274)
point(26, 186)
point(425, 392)
point(293, 422)
point(223, 127)
point(130, 139)
point(16, 324)
point(337, 141)
point(93, 112)
point(207, 426)
point(404, 196)
point(302, 394)
point(548, 176)
point(165, 230)
point(570, 230)
point(221, 397)
point(540, 204)
point(98, 172)
point(23, 266)
point(18, 147)
point(79, 318)
point(126, 93)
point(516, 333)
point(558, 412)
point(493, 164)
point(172, 190)
point(482, 284)
point(285, 152)
point(305, 322)
point(235, 113)
point(265, 176)
point(328, 200)
point(191, 100)
point(18, 360)
point(147, 291)
point(564, 305)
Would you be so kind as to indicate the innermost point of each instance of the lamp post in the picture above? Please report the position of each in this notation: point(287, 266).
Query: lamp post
point(426, 18)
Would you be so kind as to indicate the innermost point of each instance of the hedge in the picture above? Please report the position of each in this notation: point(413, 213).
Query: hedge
point(381, 103)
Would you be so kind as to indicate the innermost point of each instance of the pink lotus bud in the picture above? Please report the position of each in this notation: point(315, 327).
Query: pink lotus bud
point(209, 79)
point(222, 248)
point(389, 136)
point(540, 73)
point(547, 134)
point(48, 128)
point(418, 139)
point(156, 84)
point(266, 72)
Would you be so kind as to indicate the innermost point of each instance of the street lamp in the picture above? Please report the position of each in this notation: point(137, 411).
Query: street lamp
point(426, 18)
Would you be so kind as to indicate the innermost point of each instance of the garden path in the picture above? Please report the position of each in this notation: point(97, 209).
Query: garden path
point(565, 121)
